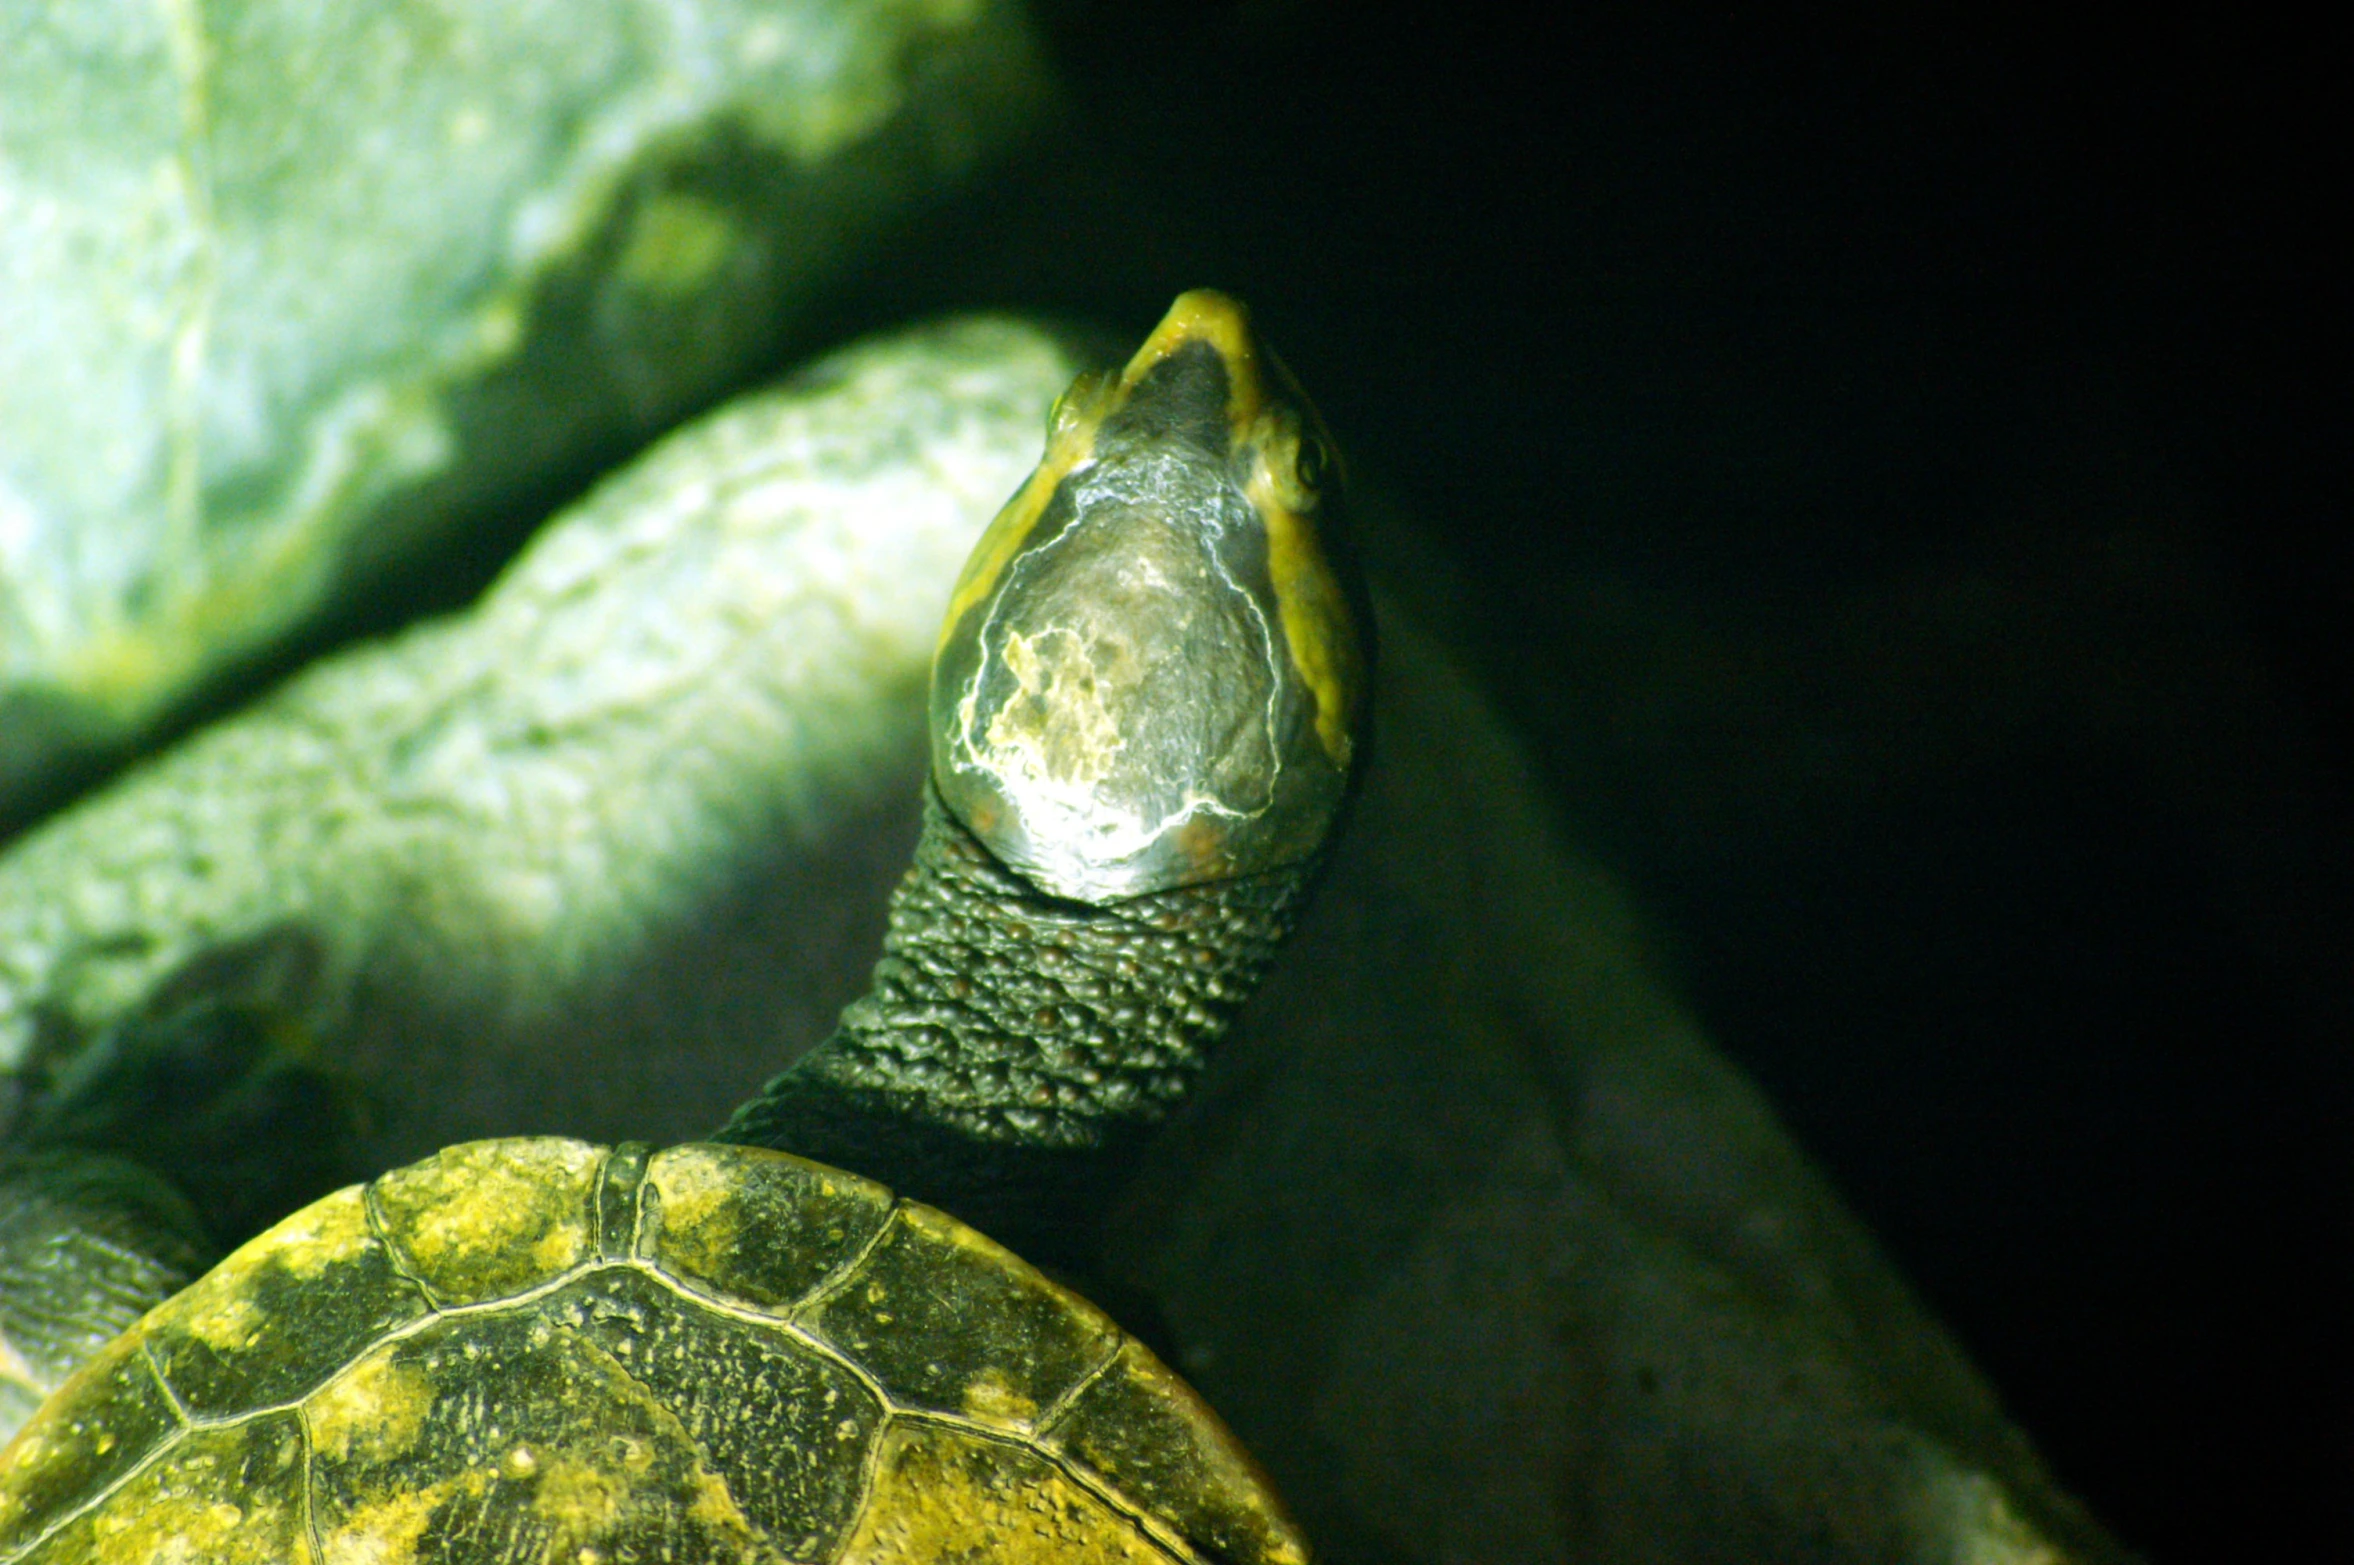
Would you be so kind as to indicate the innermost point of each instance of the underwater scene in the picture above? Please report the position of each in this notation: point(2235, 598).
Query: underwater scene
point(911, 780)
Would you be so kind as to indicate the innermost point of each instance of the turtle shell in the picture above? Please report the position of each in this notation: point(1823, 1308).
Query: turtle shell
point(536, 1349)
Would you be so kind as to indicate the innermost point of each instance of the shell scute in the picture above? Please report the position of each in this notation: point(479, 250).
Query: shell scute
point(947, 1494)
point(490, 1218)
point(784, 1424)
point(764, 1227)
point(952, 1322)
point(228, 1495)
point(1148, 1433)
point(282, 1313)
point(563, 1451)
point(117, 1413)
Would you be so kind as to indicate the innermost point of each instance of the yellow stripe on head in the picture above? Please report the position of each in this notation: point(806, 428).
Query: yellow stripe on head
point(1070, 445)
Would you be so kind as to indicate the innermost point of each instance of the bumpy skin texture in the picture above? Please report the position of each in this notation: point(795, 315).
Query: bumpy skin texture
point(705, 1354)
point(1013, 1047)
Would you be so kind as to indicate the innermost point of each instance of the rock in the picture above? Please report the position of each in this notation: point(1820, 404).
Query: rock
point(289, 293)
point(621, 794)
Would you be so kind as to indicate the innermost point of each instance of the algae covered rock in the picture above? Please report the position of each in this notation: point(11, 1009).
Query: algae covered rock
point(618, 799)
point(287, 290)
point(1473, 1236)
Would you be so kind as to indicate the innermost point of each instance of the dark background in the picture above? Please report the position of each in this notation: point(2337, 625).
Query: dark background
point(1894, 464)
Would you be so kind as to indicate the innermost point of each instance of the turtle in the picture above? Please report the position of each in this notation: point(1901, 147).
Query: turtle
point(1148, 711)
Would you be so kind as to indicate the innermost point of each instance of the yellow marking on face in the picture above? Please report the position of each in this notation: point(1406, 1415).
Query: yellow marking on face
point(1202, 315)
point(1070, 446)
point(1318, 623)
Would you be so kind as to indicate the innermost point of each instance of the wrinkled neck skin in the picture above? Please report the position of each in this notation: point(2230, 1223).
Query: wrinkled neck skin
point(1014, 1048)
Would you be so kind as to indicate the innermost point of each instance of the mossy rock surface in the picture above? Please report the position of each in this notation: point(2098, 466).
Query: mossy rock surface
point(289, 293)
point(649, 793)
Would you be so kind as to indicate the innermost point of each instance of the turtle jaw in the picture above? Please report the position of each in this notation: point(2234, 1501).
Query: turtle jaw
point(1153, 669)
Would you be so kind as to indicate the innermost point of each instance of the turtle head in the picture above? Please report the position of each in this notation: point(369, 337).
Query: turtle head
point(1153, 671)
point(1148, 705)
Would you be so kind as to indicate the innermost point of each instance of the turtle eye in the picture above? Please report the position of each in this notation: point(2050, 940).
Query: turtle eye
point(1074, 404)
point(1293, 462)
point(1312, 464)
